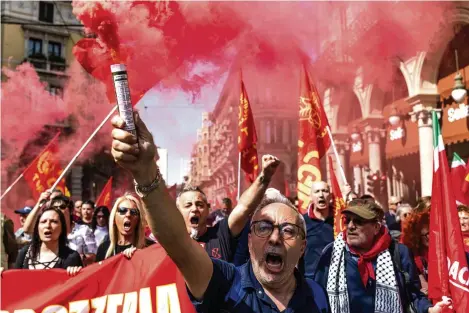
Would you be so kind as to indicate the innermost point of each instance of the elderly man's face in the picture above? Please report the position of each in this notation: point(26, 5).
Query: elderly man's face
point(394, 202)
point(361, 233)
point(194, 209)
point(404, 214)
point(464, 221)
point(320, 195)
point(275, 255)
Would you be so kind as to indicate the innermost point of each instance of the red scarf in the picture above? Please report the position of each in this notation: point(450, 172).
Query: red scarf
point(365, 265)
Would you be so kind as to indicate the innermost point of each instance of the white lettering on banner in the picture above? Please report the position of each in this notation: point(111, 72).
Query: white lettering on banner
point(357, 146)
point(455, 114)
point(458, 277)
point(395, 134)
point(170, 293)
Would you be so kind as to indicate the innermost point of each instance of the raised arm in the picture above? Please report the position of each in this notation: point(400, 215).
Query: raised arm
point(163, 217)
point(28, 226)
point(251, 198)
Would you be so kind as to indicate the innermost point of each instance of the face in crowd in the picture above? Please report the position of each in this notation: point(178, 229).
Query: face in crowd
point(22, 218)
point(49, 226)
point(227, 206)
point(404, 213)
point(64, 204)
point(87, 209)
point(464, 220)
point(320, 195)
point(127, 218)
point(276, 243)
point(394, 202)
point(361, 233)
point(77, 210)
point(194, 209)
point(102, 216)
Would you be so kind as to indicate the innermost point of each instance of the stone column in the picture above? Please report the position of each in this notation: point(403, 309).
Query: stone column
point(422, 115)
point(374, 148)
point(357, 180)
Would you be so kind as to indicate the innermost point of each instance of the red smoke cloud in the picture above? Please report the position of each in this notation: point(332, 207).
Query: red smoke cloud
point(163, 43)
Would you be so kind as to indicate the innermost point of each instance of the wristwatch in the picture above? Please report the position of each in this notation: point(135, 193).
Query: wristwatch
point(143, 191)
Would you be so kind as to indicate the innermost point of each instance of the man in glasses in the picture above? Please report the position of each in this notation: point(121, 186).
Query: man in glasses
point(362, 267)
point(319, 221)
point(390, 215)
point(269, 282)
point(220, 240)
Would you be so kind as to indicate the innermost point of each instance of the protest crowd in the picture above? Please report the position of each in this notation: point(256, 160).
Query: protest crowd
point(262, 255)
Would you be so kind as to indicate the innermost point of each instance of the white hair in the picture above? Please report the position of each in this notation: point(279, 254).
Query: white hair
point(272, 195)
point(399, 209)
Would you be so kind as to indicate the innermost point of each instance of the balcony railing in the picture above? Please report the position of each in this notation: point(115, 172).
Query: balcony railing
point(52, 63)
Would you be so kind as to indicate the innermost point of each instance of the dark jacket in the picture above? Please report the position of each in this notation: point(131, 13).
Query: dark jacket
point(362, 298)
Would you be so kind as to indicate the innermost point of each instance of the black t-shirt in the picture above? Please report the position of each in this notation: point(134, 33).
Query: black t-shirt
point(67, 257)
point(218, 241)
point(104, 246)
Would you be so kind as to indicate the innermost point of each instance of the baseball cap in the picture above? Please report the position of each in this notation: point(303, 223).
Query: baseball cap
point(25, 210)
point(367, 210)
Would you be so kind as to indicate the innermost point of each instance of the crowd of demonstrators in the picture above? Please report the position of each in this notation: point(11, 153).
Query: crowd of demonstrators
point(81, 237)
point(222, 213)
point(22, 238)
point(126, 229)
point(415, 235)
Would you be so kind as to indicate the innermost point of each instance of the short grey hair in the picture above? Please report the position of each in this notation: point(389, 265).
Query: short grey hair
point(271, 196)
point(400, 208)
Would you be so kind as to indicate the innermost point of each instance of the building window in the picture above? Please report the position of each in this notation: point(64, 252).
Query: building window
point(46, 12)
point(55, 49)
point(56, 90)
point(34, 46)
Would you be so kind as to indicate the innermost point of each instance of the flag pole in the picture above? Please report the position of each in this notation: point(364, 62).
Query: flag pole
point(342, 173)
point(239, 176)
point(11, 186)
point(83, 148)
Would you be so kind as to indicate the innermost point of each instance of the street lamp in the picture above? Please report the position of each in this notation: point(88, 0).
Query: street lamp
point(459, 90)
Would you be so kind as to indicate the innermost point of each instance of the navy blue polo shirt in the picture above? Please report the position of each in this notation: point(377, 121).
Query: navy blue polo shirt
point(236, 289)
point(319, 234)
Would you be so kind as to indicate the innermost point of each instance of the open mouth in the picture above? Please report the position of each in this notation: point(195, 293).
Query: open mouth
point(274, 262)
point(127, 225)
point(47, 233)
point(194, 220)
point(322, 202)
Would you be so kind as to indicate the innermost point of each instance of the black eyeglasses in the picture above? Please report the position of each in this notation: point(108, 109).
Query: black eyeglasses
point(287, 231)
point(123, 211)
point(62, 207)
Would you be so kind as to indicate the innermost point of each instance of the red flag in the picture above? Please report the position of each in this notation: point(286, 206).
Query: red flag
point(465, 184)
point(247, 138)
point(43, 172)
point(337, 201)
point(447, 264)
point(313, 140)
point(105, 198)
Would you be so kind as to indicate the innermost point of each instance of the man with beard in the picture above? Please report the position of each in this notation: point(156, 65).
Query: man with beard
point(220, 240)
point(364, 270)
point(319, 220)
point(277, 240)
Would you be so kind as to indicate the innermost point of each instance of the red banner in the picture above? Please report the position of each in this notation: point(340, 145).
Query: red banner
point(313, 140)
point(247, 137)
point(43, 172)
point(465, 184)
point(149, 282)
point(105, 198)
point(337, 201)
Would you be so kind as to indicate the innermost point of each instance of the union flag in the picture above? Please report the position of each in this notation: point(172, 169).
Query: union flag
point(313, 139)
point(105, 198)
point(338, 202)
point(43, 172)
point(247, 137)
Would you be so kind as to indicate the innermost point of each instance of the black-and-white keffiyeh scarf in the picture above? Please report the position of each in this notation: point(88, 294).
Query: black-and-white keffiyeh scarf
point(387, 299)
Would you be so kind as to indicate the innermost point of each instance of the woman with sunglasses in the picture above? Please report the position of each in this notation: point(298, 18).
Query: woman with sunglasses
point(126, 229)
point(415, 237)
point(48, 248)
point(100, 224)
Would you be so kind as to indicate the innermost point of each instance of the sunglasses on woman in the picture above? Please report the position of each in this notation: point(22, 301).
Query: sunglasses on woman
point(123, 211)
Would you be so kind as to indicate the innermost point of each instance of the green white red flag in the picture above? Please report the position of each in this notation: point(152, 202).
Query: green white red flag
point(448, 273)
point(458, 173)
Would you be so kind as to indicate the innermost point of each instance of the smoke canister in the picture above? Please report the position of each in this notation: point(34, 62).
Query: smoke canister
point(124, 103)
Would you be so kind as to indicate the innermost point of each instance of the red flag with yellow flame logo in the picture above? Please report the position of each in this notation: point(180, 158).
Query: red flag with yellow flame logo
point(105, 198)
point(313, 140)
point(247, 137)
point(338, 202)
point(43, 172)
